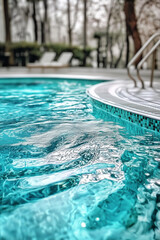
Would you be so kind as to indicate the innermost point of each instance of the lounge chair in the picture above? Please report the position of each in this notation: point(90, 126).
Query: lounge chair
point(45, 60)
point(63, 60)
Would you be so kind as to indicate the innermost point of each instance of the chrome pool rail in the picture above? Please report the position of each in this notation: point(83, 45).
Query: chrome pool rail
point(138, 54)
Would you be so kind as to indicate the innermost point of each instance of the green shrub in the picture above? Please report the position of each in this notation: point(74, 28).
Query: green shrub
point(78, 53)
point(24, 52)
point(2, 51)
point(2, 47)
point(24, 46)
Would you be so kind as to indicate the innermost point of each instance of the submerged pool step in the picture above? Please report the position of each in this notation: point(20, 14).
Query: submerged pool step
point(119, 98)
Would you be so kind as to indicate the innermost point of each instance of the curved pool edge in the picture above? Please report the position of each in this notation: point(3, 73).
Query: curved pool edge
point(113, 98)
point(55, 76)
point(111, 102)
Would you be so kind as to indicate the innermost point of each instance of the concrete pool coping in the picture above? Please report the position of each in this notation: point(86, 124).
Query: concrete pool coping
point(120, 98)
point(122, 95)
point(55, 76)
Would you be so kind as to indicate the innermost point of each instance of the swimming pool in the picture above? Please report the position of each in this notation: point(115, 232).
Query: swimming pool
point(65, 173)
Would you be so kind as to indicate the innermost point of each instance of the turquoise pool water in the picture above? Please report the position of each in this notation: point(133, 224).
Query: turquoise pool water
point(66, 174)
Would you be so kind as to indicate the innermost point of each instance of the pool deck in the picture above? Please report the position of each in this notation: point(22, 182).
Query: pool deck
point(92, 73)
point(118, 93)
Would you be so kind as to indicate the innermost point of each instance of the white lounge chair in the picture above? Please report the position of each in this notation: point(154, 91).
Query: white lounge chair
point(63, 60)
point(45, 60)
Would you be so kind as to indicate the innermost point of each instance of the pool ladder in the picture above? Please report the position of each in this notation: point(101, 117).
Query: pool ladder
point(139, 66)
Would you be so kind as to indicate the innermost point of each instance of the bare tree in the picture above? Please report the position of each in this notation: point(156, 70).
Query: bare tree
point(7, 21)
point(19, 14)
point(58, 21)
point(131, 28)
point(69, 22)
point(34, 18)
point(45, 32)
point(109, 12)
point(114, 32)
point(84, 30)
point(44, 21)
point(70, 26)
point(148, 15)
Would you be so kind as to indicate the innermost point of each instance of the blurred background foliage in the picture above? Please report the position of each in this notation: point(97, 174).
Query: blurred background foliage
point(104, 33)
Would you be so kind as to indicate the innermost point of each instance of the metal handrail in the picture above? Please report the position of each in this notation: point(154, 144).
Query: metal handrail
point(138, 54)
point(153, 50)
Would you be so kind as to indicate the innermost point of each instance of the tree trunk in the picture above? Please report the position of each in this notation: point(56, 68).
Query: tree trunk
point(127, 49)
point(42, 32)
point(9, 54)
point(131, 26)
point(7, 21)
point(98, 51)
point(69, 23)
point(35, 21)
point(120, 56)
point(46, 23)
point(107, 33)
point(85, 30)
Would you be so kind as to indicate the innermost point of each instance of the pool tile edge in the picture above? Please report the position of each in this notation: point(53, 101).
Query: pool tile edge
point(141, 120)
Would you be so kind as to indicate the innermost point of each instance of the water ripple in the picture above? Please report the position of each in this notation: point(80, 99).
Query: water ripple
point(66, 175)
